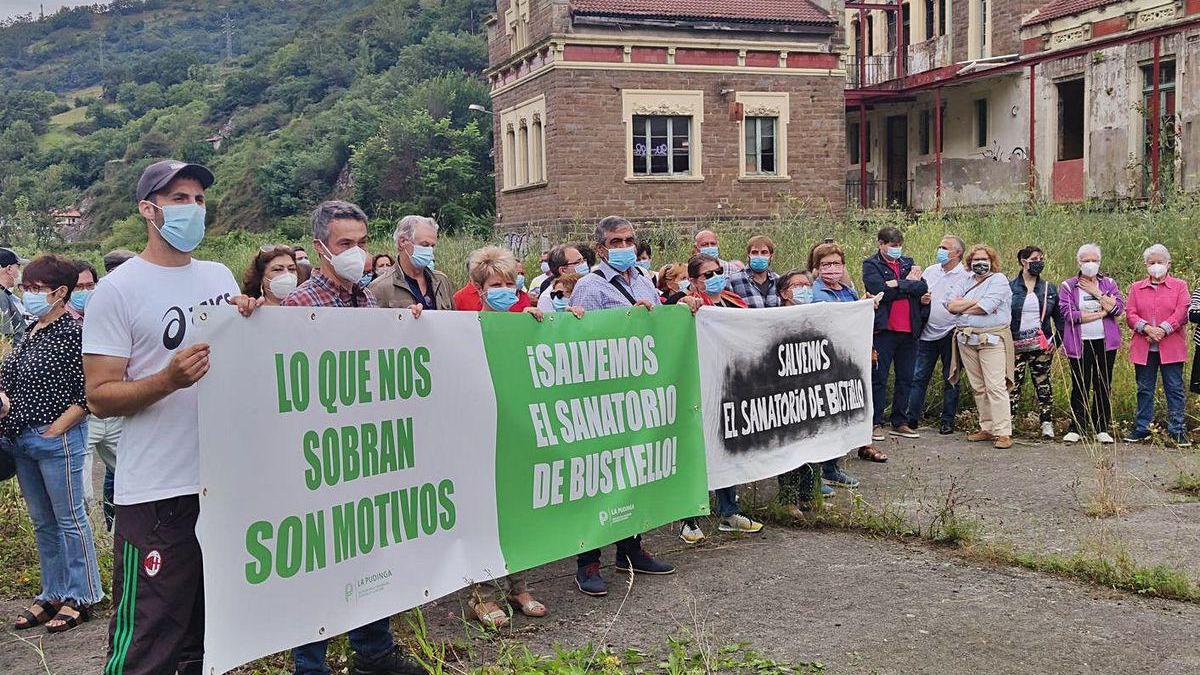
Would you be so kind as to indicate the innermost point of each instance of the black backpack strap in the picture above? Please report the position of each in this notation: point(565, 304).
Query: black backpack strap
point(619, 287)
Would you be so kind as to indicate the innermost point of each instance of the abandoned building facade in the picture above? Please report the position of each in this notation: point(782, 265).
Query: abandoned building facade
point(694, 110)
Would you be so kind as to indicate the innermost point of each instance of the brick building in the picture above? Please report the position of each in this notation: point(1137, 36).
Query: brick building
point(665, 109)
point(1069, 100)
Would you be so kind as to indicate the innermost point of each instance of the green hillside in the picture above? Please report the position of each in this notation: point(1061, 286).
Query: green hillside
point(360, 99)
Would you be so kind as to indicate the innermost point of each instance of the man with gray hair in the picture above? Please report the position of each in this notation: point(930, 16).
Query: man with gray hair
point(936, 342)
point(340, 239)
point(412, 282)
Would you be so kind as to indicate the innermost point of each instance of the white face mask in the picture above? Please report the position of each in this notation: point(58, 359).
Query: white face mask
point(1157, 270)
point(282, 285)
point(1090, 269)
point(348, 264)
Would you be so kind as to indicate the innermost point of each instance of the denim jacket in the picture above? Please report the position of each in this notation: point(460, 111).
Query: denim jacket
point(1052, 322)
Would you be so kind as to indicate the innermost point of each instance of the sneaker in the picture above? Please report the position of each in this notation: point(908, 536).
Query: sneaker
point(877, 434)
point(946, 429)
point(842, 479)
point(1134, 437)
point(827, 491)
point(1048, 430)
point(393, 662)
point(1181, 441)
point(1104, 438)
point(691, 533)
point(981, 436)
point(1071, 438)
point(739, 523)
point(590, 582)
point(905, 431)
point(643, 563)
point(1002, 442)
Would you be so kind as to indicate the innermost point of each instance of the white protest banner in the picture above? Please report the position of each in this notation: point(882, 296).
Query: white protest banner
point(783, 387)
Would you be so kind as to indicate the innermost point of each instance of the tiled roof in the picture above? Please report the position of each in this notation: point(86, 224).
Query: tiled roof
point(1059, 8)
point(756, 11)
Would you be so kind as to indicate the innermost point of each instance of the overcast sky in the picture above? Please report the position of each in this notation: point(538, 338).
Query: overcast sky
point(15, 7)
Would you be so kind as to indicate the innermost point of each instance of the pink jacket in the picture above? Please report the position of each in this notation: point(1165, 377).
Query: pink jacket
point(1166, 302)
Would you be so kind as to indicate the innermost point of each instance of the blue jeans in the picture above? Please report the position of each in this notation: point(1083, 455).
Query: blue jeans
point(368, 642)
point(727, 501)
point(899, 349)
point(50, 471)
point(929, 352)
point(1147, 382)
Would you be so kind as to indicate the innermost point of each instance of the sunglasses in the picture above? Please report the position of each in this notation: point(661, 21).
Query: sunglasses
point(712, 273)
point(558, 295)
point(267, 248)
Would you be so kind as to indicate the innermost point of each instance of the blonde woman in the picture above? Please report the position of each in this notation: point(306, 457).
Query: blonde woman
point(983, 342)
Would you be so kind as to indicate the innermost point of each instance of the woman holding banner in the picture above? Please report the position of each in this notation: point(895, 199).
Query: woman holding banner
point(493, 275)
point(708, 282)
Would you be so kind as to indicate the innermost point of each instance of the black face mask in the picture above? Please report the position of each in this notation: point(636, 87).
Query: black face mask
point(981, 267)
point(1036, 268)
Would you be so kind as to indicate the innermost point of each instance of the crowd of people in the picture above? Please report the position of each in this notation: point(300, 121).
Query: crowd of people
point(101, 366)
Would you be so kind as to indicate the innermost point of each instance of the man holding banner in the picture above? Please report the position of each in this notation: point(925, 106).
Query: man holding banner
point(617, 282)
point(137, 365)
point(340, 238)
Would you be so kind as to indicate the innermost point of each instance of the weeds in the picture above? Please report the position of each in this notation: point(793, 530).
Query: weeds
point(1111, 495)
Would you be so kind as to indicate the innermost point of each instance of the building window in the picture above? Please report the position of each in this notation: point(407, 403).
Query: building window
point(943, 19)
point(983, 26)
point(930, 20)
point(1168, 148)
point(924, 132)
point(852, 131)
point(760, 146)
point(906, 22)
point(662, 145)
point(516, 25)
point(891, 30)
point(981, 123)
point(1070, 120)
point(523, 153)
point(870, 34)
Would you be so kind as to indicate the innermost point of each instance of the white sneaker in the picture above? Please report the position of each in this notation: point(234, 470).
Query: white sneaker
point(691, 535)
point(1071, 438)
point(1048, 430)
point(739, 523)
point(1104, 438)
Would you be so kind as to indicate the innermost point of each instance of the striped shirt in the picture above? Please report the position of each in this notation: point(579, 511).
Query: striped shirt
point(1194, 315)
point(321, 291)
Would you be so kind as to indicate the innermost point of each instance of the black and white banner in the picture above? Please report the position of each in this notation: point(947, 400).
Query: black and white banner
point(783, 387)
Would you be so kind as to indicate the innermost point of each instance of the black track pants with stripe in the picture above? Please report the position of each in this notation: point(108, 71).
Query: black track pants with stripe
point(158, 590)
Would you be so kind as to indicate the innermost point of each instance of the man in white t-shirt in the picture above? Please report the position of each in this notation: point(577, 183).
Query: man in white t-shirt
point(140, 364)
point(935, 343)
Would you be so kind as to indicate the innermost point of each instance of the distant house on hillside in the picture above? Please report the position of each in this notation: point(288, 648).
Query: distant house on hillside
point(664, 109)
point(69, 217)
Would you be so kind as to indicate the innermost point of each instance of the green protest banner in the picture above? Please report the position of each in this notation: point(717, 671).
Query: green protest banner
point(598, 433)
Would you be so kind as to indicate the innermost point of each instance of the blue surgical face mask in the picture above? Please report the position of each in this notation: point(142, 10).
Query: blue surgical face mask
point(943, 256)
point(715, 284)
point(709, 250)
point(183, 225)
point(758, 263)
point(520, 282)
point(422, 256)
point(79, 300)
point(582, 268)
point(801, 295)
point(644, 264)
point(684, 284)
point(622, 259)
point(501, 299)
point(366, 279)
point(894, 252)
point(560, 304)
point(36, 304)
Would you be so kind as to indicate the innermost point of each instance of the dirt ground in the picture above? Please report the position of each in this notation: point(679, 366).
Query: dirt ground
point(862, 605)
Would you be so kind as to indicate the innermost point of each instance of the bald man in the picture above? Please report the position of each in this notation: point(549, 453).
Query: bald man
point(705, 241)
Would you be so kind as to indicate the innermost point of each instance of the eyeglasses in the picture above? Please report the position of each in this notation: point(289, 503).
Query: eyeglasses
point(558, 295)
point(37, 288)
point(832, 266)
point(711, 273)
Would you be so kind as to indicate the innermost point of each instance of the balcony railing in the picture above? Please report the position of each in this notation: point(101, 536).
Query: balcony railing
point(879, 69)
point(878, 196)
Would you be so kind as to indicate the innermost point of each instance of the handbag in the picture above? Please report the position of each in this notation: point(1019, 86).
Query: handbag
point(1034, 339)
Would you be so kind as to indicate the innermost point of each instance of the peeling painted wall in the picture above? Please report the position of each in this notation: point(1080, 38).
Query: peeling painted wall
point(1188, 104)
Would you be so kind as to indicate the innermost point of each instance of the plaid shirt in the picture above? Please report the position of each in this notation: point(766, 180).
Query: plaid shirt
point(321, 291)
point(756, 296)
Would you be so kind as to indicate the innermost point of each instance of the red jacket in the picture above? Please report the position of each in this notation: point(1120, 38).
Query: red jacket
point(468, 300)
point(1155, 304)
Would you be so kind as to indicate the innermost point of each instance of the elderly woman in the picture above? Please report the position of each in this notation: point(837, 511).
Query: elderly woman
point(44, 414)
point(1036, 330)
point(709, 283)
point(1090, 304)
point(983, 342)
point(1157, 312)
point(494, 280)
point(673, 282)
point(271, 275)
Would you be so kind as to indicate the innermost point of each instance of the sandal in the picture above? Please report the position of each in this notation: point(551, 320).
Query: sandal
point(528, 605)
point(46, 611)
point(488, 613)
point(872, 454)
point(69, 621)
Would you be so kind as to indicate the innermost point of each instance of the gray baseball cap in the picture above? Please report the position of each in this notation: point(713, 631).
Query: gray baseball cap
point(159, 174)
